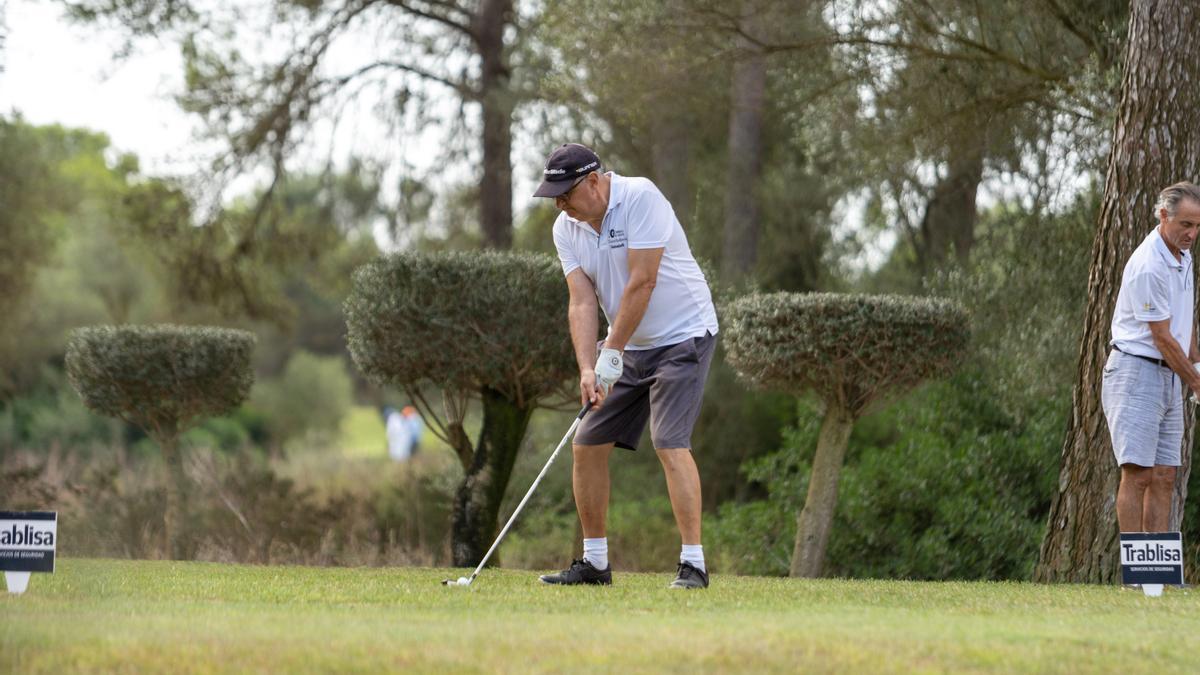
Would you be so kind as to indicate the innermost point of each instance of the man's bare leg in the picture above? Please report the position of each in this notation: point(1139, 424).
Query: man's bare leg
point(683, 486)
point(1131, 496)
point(589, 479)
point(1156, 509)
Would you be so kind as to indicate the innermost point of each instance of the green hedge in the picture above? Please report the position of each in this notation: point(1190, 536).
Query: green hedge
point(462, 321)
point(852, 349)
point(161, 378)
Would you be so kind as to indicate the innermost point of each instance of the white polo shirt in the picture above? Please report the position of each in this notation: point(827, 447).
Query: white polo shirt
point(1154, 287)
point(640, 217)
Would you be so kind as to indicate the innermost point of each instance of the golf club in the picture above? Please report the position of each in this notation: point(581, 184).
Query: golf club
point(464, 581)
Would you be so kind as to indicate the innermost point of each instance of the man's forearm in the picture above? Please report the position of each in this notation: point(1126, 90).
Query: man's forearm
point(1173, 354)
point(634, 301)
point(584, 329)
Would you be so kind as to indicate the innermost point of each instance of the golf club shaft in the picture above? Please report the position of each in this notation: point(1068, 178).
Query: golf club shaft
point(533, 487)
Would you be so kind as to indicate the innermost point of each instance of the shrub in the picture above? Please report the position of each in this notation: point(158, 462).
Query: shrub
point(851, 350)
point(854, 352)
point(163, 379)
point(489, 325)
point(940, 486)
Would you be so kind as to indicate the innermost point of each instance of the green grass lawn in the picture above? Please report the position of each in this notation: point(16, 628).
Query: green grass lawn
point(137, 616)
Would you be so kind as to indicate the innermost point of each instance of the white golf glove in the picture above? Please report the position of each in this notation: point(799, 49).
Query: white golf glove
point(609, 367)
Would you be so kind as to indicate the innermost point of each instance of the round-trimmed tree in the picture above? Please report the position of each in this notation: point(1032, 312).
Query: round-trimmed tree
point(164, 379)
point(487, 325)
point(854, 352)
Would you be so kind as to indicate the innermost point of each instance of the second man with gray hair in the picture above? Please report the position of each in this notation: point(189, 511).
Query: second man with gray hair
point(1151, 365)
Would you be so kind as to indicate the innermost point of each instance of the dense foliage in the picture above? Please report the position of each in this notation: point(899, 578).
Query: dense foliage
point(311, 396)
point(163, 377)
point(850, 349)
point(943, 485)
point(462, 321)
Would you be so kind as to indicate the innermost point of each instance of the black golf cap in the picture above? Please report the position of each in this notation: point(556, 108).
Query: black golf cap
point(566, 164)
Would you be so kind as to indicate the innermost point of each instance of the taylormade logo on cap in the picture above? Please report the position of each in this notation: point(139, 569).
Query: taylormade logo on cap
point(565, 164)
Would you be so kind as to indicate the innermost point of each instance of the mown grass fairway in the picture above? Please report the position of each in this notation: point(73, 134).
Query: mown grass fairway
point(104, 615)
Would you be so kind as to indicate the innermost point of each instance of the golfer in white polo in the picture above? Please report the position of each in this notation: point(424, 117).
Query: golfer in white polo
point(1151, 364)
point(622, 247)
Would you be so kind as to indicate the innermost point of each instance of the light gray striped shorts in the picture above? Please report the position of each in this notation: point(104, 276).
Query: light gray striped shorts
point(1143, 403)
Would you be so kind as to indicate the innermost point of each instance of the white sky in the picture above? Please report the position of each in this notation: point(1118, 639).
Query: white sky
point(58, 73)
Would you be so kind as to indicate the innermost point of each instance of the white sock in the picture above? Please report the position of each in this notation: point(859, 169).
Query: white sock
point(595, 551)
point(694, 555)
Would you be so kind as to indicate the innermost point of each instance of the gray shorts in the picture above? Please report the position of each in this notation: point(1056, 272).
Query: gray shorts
point(664, 385)
point(1143, 403)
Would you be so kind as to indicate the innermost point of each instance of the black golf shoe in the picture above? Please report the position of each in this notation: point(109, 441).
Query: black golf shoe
point(580, 572)
point(690, 577)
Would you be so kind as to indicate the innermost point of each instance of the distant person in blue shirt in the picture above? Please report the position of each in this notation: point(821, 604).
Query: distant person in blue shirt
point(403, 429)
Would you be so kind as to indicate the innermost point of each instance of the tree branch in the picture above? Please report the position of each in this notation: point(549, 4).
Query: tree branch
point(461, 88)
point(463, 27)
point(435, 423)
point(1065, 19)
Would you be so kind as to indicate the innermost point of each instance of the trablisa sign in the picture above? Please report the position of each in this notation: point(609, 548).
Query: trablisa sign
point(28, 540)
point(1152, 558)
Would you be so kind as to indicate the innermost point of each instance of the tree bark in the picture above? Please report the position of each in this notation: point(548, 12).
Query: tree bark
point(177, 497)
point(816, 519)
point(477, 504)
point(669, 135)
point(748, 93)
point(496, 100)
point(1156, 142)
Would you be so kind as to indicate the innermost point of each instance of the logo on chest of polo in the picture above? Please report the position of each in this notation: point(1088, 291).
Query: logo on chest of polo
point(615, 238)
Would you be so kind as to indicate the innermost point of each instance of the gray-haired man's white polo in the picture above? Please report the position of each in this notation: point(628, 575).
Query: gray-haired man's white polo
point(1142, 397)
point(1154, 287)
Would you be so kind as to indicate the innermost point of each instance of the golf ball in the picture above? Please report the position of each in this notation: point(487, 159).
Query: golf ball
point(463, 581)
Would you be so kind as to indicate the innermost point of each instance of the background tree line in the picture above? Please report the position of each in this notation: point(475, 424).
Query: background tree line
point(927, 147)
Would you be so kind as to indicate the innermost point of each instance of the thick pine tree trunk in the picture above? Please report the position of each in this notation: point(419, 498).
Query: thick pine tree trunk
point(1156, 142)
point(477, 504)
point(748, 93)
point(495, 185)
point(816, 519)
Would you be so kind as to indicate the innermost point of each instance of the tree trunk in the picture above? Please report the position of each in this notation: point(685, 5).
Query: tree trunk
point(948, 226)
point(174, 529)
point(748, 92)
point(1156, 142)
point(670, 128)
point(669, 133)
point(496, 100)
point(477, 504)
point(816, 520)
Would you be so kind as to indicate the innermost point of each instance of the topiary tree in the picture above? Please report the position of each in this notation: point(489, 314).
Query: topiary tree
point(489, 325)
point(855, 352)
point(163, 379)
